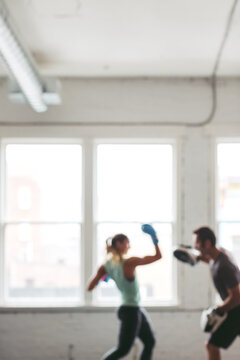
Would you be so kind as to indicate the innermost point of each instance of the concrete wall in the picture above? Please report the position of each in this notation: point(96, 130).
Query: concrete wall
point(39, 334)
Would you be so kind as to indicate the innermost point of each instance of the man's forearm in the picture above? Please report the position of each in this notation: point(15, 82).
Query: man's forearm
point(203, 258)
point(229, 304)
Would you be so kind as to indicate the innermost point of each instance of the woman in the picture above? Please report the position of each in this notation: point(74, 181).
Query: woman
point(134, 322)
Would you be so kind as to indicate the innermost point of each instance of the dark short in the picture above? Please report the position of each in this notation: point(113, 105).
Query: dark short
point(224, 336)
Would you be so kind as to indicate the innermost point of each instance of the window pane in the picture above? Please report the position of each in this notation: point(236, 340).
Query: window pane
point(229, 238)
point(228, 182)
point(44, 182)
point(155, 280)
point(134, 182)
point(42, 262)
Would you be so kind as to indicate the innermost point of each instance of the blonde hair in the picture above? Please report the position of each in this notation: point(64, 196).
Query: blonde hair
point(111, 247)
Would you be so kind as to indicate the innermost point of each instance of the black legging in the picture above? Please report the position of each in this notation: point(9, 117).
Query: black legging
point(134, 323)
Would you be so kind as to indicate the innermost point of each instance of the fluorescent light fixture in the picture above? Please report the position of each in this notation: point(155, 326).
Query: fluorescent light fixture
point(20, 64)
point(50, 95)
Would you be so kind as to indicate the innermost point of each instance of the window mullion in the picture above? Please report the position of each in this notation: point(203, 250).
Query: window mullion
point(2, 211)
point(2, 266)
point(88, 228)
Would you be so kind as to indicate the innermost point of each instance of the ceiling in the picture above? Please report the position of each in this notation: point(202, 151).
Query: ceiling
point(88, 38)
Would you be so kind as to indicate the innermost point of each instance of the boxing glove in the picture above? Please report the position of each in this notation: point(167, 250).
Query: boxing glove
point(148, 229)
point(211, 319)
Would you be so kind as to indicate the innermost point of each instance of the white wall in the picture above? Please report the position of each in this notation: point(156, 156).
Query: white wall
point(131, 100)
point(35, 335)
point(47, 336)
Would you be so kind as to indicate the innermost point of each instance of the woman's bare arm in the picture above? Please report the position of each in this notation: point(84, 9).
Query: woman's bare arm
point(93, 283)
point(137, 261)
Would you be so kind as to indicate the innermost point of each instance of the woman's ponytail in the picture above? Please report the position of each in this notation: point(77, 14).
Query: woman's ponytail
point(111, 246)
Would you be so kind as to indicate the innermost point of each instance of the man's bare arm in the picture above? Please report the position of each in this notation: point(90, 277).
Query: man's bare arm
point(232, 301)
point(203, 258)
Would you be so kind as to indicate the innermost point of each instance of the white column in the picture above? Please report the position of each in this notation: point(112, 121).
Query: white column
point(88, 219)
point(2, 197)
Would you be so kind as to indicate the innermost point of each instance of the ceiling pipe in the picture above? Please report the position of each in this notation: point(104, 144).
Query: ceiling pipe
point(19, 64)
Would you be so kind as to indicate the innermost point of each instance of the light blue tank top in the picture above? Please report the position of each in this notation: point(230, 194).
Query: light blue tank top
point(129, 289)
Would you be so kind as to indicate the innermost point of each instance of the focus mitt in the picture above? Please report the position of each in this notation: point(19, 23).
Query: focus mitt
point(186, 254)
point(211, 320)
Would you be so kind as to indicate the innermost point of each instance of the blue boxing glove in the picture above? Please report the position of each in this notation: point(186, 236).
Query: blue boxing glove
point(105, 278)
point(148, 229)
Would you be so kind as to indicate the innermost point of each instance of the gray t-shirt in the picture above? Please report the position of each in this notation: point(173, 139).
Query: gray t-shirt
point(225, 274)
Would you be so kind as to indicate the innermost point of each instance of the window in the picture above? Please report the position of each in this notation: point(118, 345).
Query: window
point(228, 197)
point(53, 237)
point(135, 186)
point(42, 223)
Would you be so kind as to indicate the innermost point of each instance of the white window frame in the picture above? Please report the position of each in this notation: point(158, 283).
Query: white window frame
point(3, 223)
point(89, 137)
point(230, 140)
point(143, 141)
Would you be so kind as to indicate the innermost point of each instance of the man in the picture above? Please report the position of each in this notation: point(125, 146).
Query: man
point(226, 278)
